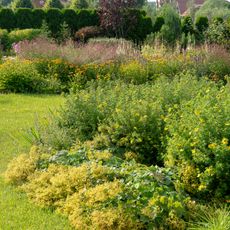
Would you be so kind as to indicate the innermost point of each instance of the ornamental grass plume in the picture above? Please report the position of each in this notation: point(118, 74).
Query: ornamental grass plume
point(75, 53)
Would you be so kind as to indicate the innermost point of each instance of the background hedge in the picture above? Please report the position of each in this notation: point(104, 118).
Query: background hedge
point(25, 18)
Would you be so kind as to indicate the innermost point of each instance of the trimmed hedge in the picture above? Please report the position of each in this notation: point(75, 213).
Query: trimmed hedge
point(24, 18)
point(137, 25)
point(70, 17)
point(38, 17)
point(7, 19)
point(54, 19)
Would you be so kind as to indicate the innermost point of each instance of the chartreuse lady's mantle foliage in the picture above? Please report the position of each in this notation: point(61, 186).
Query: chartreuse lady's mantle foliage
point(97, 190)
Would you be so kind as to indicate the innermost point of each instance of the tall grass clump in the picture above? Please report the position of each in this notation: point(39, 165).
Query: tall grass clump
point(211, 218)
point(93, 52)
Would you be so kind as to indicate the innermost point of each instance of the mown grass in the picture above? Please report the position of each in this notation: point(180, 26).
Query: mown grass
point(18, 114)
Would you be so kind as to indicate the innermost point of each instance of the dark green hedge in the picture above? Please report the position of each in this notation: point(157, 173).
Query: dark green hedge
point(7, 19)
point(38, 16)
point(23, 18)
point(136, 27)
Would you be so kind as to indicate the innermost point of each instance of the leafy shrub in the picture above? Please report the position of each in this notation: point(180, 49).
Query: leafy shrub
point(90, 72)
point(19, 78)
point(136, 26)
point(201, 24)
point(214, 8)
point(171, 29)
point(79, 4)
point(4, 40)
point(63, 181)
point(124, 117)
point(53, 4)
point(23, 77)
point(158, 24)
point(21, 4)
point(187, 25)
point(134, 72)
point(198, 142)
point(16, 36)
point(219, 33)
point(61, 71)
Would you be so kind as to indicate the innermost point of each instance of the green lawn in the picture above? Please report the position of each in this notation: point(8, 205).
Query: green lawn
point(17, 114)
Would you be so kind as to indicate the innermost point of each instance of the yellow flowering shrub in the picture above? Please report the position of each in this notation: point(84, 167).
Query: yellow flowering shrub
point(198, 146)
point(134, 72)
point(21, 167)
point(159, 205)
point(20, 77)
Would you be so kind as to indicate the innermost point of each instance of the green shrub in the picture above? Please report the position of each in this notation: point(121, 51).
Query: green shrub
point(21, 4)
point(53, 4)
point(214, 8)
point(171, 29)
point(4, 40)
point(57, 69)
point(219, 33)
point(187, 25)
point(201, 24)
point(159, 22)
point(19, 77)
point(79, 4)
point(124, 117)
point(134, 72)
point(198, 142)
point(23, 77)
point(19, 35)
point(24, 18)
point(7, 19)
point(136, 25)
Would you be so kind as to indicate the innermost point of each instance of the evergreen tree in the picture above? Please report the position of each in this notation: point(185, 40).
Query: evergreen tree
point(21, 4)
point(79, 4)
point(53, 4)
